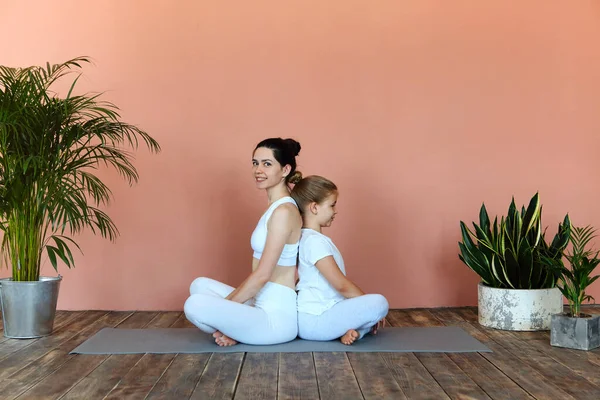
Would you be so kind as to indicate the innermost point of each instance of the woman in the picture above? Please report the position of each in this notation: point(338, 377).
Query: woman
point(330, 306)
point(262, 310)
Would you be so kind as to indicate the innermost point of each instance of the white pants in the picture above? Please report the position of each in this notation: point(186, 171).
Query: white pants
point(360, 313)
point(273, 318)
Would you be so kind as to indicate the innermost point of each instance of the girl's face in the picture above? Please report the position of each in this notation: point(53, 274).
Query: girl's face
point(326, 210)
point(266, 170)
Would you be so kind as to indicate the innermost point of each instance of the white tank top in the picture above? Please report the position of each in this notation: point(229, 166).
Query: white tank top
point(258, 240)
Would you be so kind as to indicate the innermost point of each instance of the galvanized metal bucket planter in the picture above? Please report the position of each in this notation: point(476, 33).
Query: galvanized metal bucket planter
point(575, 333)
point(518, 309)
point(28, 308)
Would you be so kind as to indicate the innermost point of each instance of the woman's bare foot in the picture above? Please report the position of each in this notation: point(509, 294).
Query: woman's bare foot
point(349, 337)
point(223, 340)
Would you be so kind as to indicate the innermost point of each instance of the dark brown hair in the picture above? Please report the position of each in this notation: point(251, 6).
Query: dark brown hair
point(285, 152)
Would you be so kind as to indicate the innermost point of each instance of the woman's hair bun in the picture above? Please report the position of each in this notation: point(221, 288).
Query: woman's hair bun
point(295, 177)
point(294, 146)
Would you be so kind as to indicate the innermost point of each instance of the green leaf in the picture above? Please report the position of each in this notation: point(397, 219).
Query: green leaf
point(484, 240)
point(525, 261)
point(466, 235)
point(512, 270)
point(476, 262)
point(51, 148)
point(484, 221)
point(63, 249)
point(52, 256)
point(497, 269)
point(531, 215)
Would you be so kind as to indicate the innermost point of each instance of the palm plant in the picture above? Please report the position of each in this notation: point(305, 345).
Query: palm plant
point(574, 280)
point(49, 149)
point(513, 254)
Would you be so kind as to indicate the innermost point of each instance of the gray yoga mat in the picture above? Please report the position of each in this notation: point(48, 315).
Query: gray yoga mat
point(448, 339)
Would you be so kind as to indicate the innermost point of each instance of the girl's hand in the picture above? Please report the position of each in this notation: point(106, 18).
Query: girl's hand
point(378, 326)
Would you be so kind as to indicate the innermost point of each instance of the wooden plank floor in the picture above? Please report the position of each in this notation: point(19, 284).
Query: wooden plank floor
point(523, 365)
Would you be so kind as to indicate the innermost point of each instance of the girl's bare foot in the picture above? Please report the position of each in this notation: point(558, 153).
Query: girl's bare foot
point(223, 340)
point(349, 337)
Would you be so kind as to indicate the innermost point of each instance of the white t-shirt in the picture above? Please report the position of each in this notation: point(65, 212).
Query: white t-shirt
point(315, 293)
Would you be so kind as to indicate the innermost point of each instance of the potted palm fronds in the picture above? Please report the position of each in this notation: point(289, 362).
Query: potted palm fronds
point(517, 289)
point(50, 147)
point(575, 329)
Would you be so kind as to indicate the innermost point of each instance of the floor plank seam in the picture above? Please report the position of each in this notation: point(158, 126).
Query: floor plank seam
point(382, 359)
point(557, 360)
point(524, 365)
point(161, 375)
point(452, 361)
point(42, 377)
point(579, 358)
point(76, 383)
point(511, 379)
point(202, 373)
point(467, 374)
point(33, 341)
point(432, 376)
point(239, 374)
point(354, 374)
point(316, 375)
point(518, 358)
point(44, 355)
point(278, 370)
point(480, 355)
point(112, 355)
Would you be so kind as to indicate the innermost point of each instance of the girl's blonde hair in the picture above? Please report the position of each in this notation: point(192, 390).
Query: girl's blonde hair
point(311, 189)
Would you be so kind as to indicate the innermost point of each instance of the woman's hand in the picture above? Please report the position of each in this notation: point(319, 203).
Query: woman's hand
point(280, 227)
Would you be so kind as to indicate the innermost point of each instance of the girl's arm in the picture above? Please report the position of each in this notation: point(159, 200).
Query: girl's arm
point(330, 270)
point(280, 227)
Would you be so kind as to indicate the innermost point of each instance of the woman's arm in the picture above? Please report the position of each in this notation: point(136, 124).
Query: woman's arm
point(330, 270)
point(280, 227)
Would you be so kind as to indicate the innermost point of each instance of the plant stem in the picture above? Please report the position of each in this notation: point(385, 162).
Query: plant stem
point(24, 236)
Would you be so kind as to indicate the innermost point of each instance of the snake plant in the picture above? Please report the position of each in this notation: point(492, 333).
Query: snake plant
point(513, 253)
point(50, 147)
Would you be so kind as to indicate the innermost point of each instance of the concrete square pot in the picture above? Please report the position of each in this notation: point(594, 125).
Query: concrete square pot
point(575, 333)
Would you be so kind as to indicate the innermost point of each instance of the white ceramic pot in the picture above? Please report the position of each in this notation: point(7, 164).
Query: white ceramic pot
point(518, 309)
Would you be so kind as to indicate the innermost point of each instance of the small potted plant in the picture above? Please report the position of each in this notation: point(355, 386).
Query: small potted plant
point(50, 148)
point(574, 329)
point(517, 291)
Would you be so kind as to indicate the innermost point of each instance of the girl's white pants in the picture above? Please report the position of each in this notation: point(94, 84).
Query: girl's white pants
point(360, 313)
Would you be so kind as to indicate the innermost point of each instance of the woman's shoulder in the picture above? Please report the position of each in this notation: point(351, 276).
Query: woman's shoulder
point(286, 214)
point(285, 210)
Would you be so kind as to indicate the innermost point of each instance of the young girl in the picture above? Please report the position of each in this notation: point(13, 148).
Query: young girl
point(227, 312)
point(330, 306)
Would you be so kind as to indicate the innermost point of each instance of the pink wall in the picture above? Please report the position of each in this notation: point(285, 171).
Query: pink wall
point(418, 110)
